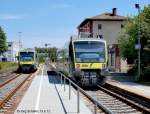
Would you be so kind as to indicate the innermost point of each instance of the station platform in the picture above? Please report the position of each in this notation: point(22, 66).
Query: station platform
point(46, 95)
point(123, 82)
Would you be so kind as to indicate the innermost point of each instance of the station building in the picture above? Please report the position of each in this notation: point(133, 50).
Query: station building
point(107, 26)
point(12, 52)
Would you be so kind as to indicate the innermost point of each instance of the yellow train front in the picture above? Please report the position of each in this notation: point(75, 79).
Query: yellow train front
point(88, 60)
point(27, 61)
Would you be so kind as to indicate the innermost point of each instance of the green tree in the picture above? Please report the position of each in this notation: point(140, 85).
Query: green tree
point(128, 39)
point(3, 46)
point(52, 52)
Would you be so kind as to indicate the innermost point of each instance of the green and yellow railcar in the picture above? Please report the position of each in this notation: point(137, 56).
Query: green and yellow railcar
point(86, 61)
point(27, 60)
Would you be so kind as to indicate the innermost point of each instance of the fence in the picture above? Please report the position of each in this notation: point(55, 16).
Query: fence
point(63, 80)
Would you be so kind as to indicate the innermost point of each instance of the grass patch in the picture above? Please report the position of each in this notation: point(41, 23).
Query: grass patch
point(7, 65)
point(41, 59)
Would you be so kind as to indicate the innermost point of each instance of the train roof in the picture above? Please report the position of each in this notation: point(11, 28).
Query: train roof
point(88, 39)
point(28, 50)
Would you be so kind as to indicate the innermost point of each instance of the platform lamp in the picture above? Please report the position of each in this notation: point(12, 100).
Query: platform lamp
point(20, 35)
point(138, 46)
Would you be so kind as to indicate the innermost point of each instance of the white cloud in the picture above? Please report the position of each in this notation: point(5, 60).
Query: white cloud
point(61, 6)
point(10, 17)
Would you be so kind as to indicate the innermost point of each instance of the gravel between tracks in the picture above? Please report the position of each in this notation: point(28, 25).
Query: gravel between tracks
point(115, 105)
point(6, 76)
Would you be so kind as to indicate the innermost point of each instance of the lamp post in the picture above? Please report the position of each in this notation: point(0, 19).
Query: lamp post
point(137, 6)
point(19, 34)
point(46, 46)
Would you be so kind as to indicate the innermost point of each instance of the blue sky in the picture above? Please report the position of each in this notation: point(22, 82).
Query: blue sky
point(53, 21)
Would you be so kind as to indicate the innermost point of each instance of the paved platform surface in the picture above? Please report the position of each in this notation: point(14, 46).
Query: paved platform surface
point(130, 86)
point(46, 96)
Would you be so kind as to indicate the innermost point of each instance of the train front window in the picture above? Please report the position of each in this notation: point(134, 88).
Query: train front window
point(26, 56)
point(89, 51)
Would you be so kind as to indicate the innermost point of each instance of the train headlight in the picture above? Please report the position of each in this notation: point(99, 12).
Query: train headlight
point(78, 66)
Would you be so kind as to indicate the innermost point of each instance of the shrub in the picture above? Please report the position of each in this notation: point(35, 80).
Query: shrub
point(7, 65)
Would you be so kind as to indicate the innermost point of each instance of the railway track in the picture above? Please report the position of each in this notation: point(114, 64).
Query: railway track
point(142, 103)
point(104, 99)
point(7, 76)
point(114, 102)
point(9, 87)
point(5, 73)
point(5, 80)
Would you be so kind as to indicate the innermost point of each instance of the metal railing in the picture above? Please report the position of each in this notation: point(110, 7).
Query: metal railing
point(96, 104)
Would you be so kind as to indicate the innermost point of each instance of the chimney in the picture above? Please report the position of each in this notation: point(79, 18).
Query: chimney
point(114, 11)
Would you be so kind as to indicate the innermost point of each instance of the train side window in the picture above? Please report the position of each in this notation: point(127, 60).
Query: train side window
point(99, 26)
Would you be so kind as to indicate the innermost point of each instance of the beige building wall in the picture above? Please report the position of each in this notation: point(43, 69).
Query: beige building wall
point(109, 30)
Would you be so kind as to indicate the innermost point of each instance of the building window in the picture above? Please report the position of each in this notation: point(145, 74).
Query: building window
point(122, 26)
point(99, 26)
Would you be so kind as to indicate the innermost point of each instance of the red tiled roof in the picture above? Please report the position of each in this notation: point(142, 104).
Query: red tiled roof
point(107, 16)
point(104, 17)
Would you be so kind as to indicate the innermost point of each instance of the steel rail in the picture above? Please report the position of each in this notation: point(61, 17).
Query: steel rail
point(126, 100)
point(8, 97)
point(9, 80)
point(127, 91)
